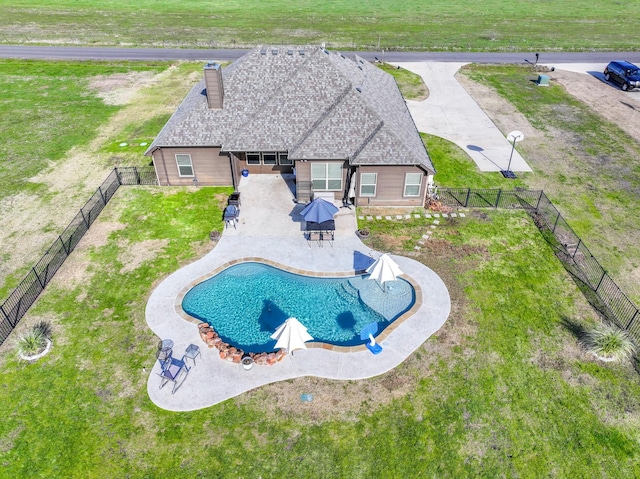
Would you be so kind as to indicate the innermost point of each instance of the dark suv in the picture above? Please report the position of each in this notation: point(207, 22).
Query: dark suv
point(625, 74)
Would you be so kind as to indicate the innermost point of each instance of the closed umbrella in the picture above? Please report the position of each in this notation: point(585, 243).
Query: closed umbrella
point(291, 335)
point(319, 211)
point(384, 269)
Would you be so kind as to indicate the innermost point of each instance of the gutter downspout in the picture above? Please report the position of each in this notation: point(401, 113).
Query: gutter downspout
point(164, 167)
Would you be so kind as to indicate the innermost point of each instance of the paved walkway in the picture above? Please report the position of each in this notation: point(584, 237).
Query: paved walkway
point(270, 227)
point(451, 113)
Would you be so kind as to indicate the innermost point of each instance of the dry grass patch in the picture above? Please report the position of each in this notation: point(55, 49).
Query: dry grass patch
point(133, 255)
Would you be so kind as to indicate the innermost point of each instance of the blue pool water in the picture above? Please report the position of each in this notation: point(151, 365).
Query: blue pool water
point(247, 301)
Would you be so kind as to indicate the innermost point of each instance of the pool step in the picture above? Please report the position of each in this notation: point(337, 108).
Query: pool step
point(349, 292)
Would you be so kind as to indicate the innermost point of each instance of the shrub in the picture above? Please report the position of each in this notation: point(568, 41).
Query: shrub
point(34, 340)
point(609, 343)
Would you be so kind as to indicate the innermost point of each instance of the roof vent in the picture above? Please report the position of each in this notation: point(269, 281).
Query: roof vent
point(359, 67)
point(358, 89)
point(274, 51)
point(289, 52)
point(263, 52)
point(301, 52)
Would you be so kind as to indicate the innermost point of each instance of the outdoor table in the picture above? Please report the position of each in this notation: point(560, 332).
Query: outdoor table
point(321, 231)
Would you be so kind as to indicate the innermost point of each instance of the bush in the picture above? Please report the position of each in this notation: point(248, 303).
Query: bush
point(609, 343)
point(34, 340)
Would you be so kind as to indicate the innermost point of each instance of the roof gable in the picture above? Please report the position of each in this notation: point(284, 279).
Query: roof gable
point(310, 102)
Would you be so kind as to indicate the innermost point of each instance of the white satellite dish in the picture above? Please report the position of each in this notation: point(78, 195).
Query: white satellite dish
point(514, 136)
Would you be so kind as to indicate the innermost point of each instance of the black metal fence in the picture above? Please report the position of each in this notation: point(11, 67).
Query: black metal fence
point(601, 291)
point(21, 299)
point(605, 295)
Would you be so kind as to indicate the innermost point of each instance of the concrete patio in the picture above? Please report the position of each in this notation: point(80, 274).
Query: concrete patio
point(270, 227)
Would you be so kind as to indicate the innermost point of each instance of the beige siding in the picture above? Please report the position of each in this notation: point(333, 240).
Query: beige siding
point(210, 167)
point(390, 186)
point(262, 169)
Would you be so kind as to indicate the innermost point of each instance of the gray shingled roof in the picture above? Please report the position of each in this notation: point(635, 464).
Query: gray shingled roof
point(310, 102)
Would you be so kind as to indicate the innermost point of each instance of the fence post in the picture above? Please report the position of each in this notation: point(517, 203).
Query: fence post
point(104, 200)
point(38, 277)
point(85, 220)
point(539, 200)
point(6, 316)
point(577, 246)
point(64, 246)
point(604, 273)
point(466, 201)
point(556, 223)
point(118, 176)
point(498, 198)
point(631, 321)
point(135, 169)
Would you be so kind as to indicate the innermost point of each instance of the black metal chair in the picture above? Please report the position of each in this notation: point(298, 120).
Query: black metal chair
point(171, 370)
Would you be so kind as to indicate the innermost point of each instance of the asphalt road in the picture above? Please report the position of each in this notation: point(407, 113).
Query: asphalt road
point(95, 53)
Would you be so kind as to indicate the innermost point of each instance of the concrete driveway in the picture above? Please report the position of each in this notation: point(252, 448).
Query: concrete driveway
point(451, 113)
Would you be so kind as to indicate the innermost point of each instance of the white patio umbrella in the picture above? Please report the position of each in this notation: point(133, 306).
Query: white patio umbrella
point(291, 335)
point(384, 269)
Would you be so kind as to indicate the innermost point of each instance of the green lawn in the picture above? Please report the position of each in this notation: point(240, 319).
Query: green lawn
point(501, 390)
point(595, 182)
point(46, 108)
point(484, 25)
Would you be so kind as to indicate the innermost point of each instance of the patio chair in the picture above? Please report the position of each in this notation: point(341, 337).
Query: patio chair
point(192, 352)
point(171, 370)
point(314, 236)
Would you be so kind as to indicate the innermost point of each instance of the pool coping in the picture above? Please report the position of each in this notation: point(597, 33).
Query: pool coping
point(305, 272)
point(214, 380)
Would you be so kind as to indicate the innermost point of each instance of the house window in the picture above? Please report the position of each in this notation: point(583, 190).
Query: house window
point(283, 159)
point(412, 183)
point(185, 167)
point(253, 158)
point(326, 176)
point(269, 158)
point(368, 183)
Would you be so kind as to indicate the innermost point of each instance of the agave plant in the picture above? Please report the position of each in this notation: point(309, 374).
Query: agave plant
point(609, 343)
point(34, 340)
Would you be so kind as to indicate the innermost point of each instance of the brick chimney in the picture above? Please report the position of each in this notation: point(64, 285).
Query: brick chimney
point(213, 85)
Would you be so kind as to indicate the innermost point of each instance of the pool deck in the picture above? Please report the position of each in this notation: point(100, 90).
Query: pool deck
point(271, 228)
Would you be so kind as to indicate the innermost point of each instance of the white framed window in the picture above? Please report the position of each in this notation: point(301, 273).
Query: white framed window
point(185, 166)
point(368, 183)
point(326, 176)
point(269, 158)
point(283, 159)
point(412, 183)
point(253, 158)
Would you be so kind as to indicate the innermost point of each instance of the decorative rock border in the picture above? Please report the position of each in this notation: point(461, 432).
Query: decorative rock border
point(235, 355)
point(41, 354)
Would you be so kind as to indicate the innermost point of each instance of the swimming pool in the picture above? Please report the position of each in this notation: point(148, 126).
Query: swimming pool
point(245, 303)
